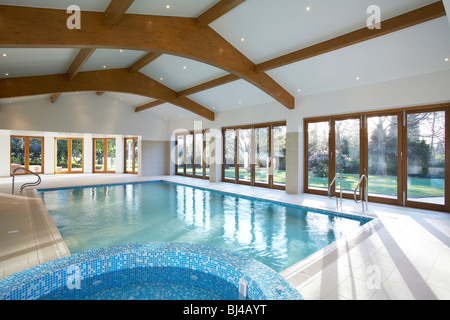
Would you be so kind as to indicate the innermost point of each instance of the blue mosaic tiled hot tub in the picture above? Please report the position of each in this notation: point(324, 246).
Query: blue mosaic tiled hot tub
point(154, 271)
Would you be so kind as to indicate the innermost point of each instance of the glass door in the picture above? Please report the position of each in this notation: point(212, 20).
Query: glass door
point(69, 155)
point(383, 156)
point(131, 155)
point(198, 154)
point(27, 152)
point(262, 155)
point(426, 148)
point(229, 166)
point(104, 155)
point(244, 155)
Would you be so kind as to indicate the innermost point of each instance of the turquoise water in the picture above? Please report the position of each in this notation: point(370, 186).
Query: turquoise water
point(275, 234)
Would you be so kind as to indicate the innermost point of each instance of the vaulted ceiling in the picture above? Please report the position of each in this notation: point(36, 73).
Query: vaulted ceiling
point(207, 56)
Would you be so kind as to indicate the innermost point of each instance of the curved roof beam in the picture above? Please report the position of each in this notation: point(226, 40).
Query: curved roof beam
point(116, 80)
point(46, 28)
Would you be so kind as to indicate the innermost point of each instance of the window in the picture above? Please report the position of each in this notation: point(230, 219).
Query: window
point(69, 155)
point(28, 153)
point(255, 155)
point(131, 155)
point(104, 155)
point(403, 153)
point(193, 154)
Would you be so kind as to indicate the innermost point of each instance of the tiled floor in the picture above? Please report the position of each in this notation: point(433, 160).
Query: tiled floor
point(402, 254)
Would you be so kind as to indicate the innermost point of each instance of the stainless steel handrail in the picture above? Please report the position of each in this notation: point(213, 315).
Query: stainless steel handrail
point(28, 184)
point(329, 189)
point(366, 192)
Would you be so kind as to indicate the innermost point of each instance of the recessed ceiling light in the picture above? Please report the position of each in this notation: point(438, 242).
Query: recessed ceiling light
point(446, 59)
point(181, 115)
point(121, 99)
point(6, 74)
point(214, 108)
point(240, 102)
point(357, 78)
point(242, 39)
point(308, 8)
point(4, 55)
point(161, 78)
point(184, 67)
point(168, 6)
point(104, 67)
point(299, 90)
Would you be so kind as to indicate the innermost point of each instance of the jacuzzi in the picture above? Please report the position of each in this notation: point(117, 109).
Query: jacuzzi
point(150, 271)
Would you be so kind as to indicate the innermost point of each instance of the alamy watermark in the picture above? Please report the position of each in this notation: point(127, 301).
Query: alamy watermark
point(74, 21)
point(374, 20)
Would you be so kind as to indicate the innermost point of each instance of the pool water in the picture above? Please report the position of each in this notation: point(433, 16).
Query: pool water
point(275, 234)
point(149, 284)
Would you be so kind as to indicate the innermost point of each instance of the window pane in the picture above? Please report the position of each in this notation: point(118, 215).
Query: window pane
point(426, 157)
point(99, 155)
point(77, 155)
point(383, 155)
point(189, 153)
point(35, 155)
point(230, 153)
point(244, 150)
point(136, 156)
point(347, 153)
point(318, 133)
point(129, 155)
point(208, 149)
point(262, 155)
point(62, 154)
point(198, 158)
point(279, 155)
point(180, 154)
point(17, 154)
point(111, 155)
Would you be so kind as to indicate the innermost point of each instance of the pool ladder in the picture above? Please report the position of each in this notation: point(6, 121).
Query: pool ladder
point(365, 195)
point(28, 184)
point(338, 202)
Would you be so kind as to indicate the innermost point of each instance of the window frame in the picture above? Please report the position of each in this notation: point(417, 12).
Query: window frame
point(402, 153)
point(105, 155)
point(69, 155)
point(27, 153)
point(252, 182)
point(135, 140)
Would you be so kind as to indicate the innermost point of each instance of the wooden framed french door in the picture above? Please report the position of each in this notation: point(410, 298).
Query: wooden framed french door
point(27, 152)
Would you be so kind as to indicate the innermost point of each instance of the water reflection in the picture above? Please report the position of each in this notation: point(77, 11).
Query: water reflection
point(277, 235)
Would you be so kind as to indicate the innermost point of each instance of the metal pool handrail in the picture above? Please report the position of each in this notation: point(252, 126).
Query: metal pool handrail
point(28, 184)
point(329, 189)
point(365, 194)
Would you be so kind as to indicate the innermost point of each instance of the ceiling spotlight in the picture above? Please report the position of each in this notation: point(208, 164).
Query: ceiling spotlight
point(6, 74)
point(184, 67)
point(299, 90)
point(214, 108)
point(104, 67)
point(357, 78)
point(446, 59)
point(120, 50)
point(4, 55)
point(161, 78)
point(168, 6)
point(242, 39)
point(308, 8)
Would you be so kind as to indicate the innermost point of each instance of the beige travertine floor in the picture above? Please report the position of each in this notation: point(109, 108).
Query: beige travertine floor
point(402, 254)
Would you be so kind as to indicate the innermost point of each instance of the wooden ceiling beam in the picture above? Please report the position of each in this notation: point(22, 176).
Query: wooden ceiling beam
point(217, 11)
point(80, 60)
point(116, 10)
point(29, 28)
point(412, 18)
point(149, 105)
point(208, 85)
point(145, 60)
point(115, 80)
point(55, 97)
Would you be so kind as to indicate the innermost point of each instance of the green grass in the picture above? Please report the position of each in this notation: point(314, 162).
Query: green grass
point(387, 185)
point(279, 177)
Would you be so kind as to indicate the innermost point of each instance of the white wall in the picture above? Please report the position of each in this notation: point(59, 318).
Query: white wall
point(82, 113)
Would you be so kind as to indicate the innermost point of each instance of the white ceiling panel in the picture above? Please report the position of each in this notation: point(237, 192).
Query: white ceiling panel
point(35, 62)
point(233, 95)
point(416, 50)
point(180, 73)
point(178, 8)
point(169, 112)
point(88, 5)
point(112, 59)
point(274, 28)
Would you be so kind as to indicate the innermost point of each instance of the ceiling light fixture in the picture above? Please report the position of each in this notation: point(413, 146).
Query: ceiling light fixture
point(6, 74)
point(120, 50)
point(161, 78)
point(104, 67)
point(4, 55)
point(446, 59)
point(357, 78)
point(242, 39)
point(308, 8)
point(168, 6)
point(184, 67)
